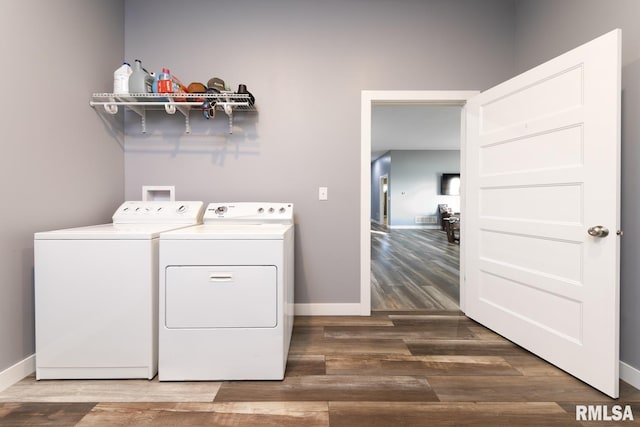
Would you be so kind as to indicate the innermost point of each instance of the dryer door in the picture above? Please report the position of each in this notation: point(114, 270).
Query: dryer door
point(221, 297)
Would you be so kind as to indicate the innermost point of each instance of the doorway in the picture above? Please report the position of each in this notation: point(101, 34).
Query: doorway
point(368, 99)
point(569, 319)
point(414, 257)
point(384, 206)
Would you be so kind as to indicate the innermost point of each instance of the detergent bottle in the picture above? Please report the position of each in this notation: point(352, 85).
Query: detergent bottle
point(121, 78)
point(165, 82)
point(139, 79)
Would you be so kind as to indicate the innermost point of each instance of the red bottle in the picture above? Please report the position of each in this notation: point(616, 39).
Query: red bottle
point(165, 83)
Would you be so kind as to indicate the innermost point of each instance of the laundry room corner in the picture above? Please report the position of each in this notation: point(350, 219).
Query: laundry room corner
point(62, 165)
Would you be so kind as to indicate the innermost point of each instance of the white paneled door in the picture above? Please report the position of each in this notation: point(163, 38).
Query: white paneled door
point(542, 190)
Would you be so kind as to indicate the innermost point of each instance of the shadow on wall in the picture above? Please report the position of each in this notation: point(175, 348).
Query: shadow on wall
point(113, 126)
point(166, 135)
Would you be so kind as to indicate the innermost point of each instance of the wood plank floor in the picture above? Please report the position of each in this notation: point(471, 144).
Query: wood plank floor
point(414, 362)
point(413, 368)
point(413, 269)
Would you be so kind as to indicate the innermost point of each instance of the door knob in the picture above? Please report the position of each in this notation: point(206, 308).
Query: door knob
point(598, 231)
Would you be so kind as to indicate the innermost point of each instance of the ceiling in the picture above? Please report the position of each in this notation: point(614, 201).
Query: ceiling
point(414, 127)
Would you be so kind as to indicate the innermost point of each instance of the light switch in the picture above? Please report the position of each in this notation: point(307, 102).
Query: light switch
point(323, 193)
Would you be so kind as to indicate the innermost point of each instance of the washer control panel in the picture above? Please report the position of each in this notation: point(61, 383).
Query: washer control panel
point(249, 213)
point(159, 212)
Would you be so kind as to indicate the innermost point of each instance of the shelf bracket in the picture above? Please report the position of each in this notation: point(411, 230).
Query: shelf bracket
point(143, 116)
point(170, 108)
point(228, 109)
point(185, 112)
point(111, 108)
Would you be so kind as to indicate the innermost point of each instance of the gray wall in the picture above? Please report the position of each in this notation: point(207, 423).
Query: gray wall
point(546, 28)
point(306, 62)
point(61, 165)
point(414, 183)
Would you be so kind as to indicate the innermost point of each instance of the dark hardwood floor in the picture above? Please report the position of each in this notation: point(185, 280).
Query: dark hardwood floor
point(416, 367)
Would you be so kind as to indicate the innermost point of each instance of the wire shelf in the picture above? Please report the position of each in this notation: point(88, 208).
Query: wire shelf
point(229, 102)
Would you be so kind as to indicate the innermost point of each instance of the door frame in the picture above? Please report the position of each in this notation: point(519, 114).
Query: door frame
point(400, 97)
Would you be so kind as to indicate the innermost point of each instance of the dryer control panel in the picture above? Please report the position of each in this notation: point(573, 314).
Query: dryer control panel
point(249, 213)
point(159, 212)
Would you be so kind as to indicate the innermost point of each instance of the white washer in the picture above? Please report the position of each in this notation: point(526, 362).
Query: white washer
point(226, 294)
point(96, 293)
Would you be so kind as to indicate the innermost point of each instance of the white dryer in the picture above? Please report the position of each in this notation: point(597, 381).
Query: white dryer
point(226, 294)
point(96, 293)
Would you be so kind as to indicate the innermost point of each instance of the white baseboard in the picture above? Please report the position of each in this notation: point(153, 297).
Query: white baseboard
point(411, 227)
point(26, 367)
point(15, 373)
point(630, 375)
point(338, 309)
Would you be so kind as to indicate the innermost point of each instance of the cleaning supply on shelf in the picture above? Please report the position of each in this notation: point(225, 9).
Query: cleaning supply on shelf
point(154, 84)
point(139, 80)
point(121, 78)
point(178, 87)
point(165, 82)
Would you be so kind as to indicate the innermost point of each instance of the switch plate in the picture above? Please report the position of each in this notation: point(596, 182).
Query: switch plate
point(323, 193)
